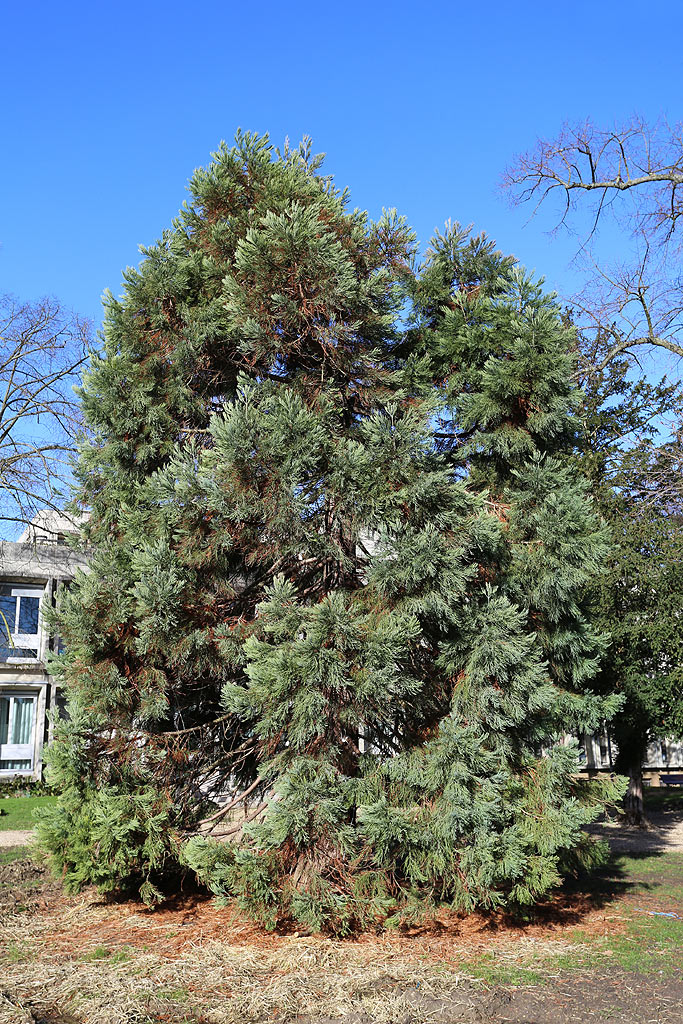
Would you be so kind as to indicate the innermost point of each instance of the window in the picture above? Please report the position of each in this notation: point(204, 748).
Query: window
point(17, 718)
point(19, 622)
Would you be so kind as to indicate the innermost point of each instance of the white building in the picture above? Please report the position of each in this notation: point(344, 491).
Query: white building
point(32, 570)
point(664, 757)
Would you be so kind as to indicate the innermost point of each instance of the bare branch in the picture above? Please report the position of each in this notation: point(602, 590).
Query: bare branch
point(240, 798)
point(584, 159)
point(42, 350)
point(632, 174)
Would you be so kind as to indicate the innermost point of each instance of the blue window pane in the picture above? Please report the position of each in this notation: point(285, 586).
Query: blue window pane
point(8, 611)
point(28, 614)
point(17, 652)
point(4, 719)
point(15, 766)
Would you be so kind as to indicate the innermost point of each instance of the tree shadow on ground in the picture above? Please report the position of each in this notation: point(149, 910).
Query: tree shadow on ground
point(581, 895)
point(571, 905)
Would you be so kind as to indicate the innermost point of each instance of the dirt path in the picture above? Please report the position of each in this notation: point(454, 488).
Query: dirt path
point(12, 837)
point(665, 833)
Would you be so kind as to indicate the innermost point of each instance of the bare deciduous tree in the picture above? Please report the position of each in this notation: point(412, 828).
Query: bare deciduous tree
point(42, 349)
point(632, 174)
point(662, 484)
point(631, 178)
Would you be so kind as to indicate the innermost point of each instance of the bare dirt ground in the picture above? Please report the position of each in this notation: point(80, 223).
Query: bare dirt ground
point(664, 832)
point(13, 837)
point(612, 952)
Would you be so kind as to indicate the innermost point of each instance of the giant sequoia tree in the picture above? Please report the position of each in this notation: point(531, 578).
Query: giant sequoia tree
point(352, 639)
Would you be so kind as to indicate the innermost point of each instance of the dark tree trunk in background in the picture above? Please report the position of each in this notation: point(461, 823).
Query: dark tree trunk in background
point(633, 800)
point(632, 744)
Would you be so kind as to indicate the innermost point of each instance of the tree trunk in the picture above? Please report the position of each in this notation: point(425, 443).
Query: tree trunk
point(633, 800)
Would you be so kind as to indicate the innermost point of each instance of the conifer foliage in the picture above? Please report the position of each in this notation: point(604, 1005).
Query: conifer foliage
point(334, 609)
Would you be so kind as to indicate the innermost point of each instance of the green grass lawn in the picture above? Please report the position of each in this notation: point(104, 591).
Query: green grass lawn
point(663, 798)
point(18, 811)
point(12, 853)
point(639, 891)
point(653, 889)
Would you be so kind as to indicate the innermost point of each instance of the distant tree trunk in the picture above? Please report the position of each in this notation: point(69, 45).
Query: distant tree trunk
point(632, 744)
point(633, 800)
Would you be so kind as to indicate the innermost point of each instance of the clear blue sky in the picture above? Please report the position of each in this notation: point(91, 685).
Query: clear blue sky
point(108, 107)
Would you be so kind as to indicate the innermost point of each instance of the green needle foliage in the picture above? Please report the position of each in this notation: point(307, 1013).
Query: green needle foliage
point(336, 602)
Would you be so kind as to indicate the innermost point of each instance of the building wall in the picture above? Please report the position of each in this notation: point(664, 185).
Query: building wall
point(32, 568)
point(664, 756)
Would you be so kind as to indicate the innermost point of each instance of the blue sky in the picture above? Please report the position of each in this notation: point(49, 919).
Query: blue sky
point(107, 108)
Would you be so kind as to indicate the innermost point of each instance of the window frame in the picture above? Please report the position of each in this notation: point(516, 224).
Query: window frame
point(19, 751)
point(33, 641)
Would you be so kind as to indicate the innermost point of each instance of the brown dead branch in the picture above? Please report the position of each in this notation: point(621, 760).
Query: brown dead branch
point(240, 798)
